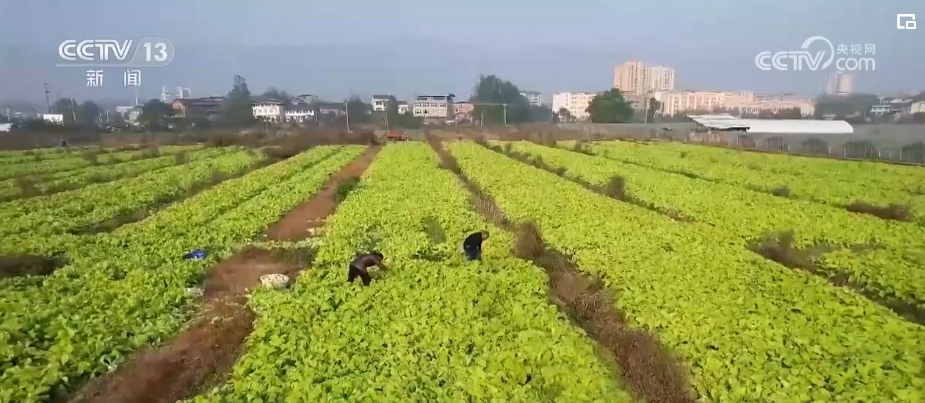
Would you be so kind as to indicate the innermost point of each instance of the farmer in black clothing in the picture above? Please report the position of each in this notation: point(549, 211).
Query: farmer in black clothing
point(360, 265)
point(473, 245)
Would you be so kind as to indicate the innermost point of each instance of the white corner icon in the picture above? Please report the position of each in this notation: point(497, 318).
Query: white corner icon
point(905, 21)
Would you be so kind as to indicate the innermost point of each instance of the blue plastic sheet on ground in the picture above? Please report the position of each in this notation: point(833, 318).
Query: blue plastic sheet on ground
point(197, 254)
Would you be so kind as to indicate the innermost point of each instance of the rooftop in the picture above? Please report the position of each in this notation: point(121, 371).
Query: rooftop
point(773, 126)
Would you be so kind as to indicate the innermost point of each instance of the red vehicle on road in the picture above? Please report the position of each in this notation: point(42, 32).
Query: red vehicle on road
point(396, 136)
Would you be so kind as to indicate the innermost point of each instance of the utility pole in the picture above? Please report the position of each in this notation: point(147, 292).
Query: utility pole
point(74, 111)
point(47, 101)
point(387, 109)
point(347, 112)
point(504, 107)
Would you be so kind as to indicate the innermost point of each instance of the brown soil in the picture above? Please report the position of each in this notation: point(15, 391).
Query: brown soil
point(200, 356)
point(651, 373)
point(181, 368)
point(298, 223)
point(29, 265)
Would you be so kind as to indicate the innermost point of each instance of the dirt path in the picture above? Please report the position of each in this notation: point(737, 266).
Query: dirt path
point(199, 356)
point(298, 223)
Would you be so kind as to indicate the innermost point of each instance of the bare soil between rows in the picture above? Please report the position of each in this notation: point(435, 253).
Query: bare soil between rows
point(298, 223)
point(200, 356)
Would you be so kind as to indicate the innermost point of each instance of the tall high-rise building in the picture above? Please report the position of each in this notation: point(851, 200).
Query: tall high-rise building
point(659, 78)
point(634, 77)
point(840, 83)
point(630, 77)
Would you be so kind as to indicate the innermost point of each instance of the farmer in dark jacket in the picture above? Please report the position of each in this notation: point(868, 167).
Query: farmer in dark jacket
point(472, 245)
point(360, 265)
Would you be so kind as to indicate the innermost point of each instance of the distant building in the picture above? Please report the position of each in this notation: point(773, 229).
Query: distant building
point(745, 102)
point(894, 106)
point(331, 109)
point(634, 77)
point(434, 109)
point(533, 97)
point(917, 107)
point(403, 107)
point(132, 115)
point(576, 103)
point(299, 111)
point(463, 110)
point(55, 118)
point(880, 109)
point(197, 108)
point(840, 83)
point(380, 102)
point(175, 93)
point(269, 111)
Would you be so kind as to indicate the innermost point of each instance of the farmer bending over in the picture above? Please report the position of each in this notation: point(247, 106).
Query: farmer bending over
point(359, 267)
point(473, 245)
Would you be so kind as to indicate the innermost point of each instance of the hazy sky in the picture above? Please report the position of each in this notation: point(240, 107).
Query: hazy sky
point(335, 48)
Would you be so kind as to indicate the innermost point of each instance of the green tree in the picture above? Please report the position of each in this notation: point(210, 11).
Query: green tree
point(237, 109)
point(540, 113)
point(564, 115)
point(154, 113)
point(491, 89)
point(652, 109)
point(844, 106)
point(392, 117)
point(610, 107)
point(276, 94)
point(68, 108)
point(359, 111)
point(88, 113)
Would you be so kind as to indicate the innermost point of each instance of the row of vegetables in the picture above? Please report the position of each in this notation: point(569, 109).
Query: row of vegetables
point(814, 179)
point(74, 160)
point(14, 156)
point(432, 327)
point(118, 294)
point(79, 177)
point(889, 263)
point(94, 204)
point(748, 329)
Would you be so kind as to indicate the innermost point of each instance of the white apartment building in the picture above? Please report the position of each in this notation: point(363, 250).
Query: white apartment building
point(679, 102)
point(533, 97)
point(634, 77)
point(379, 102)
point(676, 102)
point(269, 111)
point(576, 103)
point(55, 118)
point(917, 107)
point(299, 112)
point(403, 107)
point(433, 107)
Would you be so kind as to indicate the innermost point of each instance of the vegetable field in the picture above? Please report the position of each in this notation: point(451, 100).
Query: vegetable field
point(758, 278)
